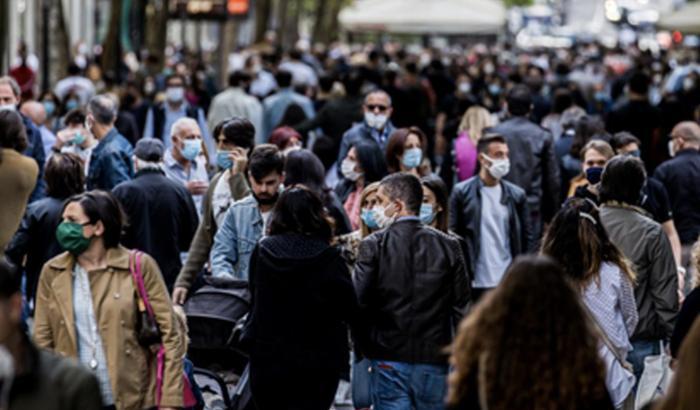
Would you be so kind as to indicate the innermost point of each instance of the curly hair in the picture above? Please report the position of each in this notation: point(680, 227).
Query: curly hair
point(528, 345)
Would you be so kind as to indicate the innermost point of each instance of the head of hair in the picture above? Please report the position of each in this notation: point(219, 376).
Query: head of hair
point(175, 76)
point(684, 385)
point(238, 78)
point(102, 206)
point(182, 122)
point(379, 92)
point(239, 131)
point(570, 117)
point(639, 83)
point(622, 180)
point(395, 146)
point(299, 210)
point(64, 175)
point(519, 100)
point(689, 131)
point(10, 279)
point(302, 167)
point(371, 160)
point(73, 69)
point(326, 150)
point(74, 117)
point(562, 100)
point(437, 186)
point(404, 187)
point(623, 139)
point(482, 147)
point(103, 109)
point(586, 128)
point(292, 116)
point(264, 160)
point(536, 305)
point(282, 135)
point(474, 121)
point(599, 146)
point(13, 135)
point(7, 80)
point(283, 78)
point(352, 82)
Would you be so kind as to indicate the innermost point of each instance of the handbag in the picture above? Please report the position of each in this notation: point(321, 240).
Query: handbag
point(655, 379)
point(148, 333)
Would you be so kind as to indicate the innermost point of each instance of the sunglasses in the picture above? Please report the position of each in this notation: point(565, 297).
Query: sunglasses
point(373, 107)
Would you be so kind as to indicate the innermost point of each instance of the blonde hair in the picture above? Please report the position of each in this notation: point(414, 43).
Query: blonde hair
point(474, 121)
point(369, 190)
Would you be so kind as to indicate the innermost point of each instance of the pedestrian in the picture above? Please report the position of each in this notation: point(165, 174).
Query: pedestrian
point(236, 102)
point(577, 240)
point(645, 245)
point(412, 286)
point(534, 166)
point(161, 214)
point(245, 221)
point(594, 155)
point(295, 273)
point(406, 152)
point(528, 345)
point(491, 215)
point(471, 128)
point(17, 174)
point(32, 245)
point(86, 308)
point(276, 105)
point(184, 161)
point(683, 393)
point(235, 140)
point(363, 165)
point(110, 161)
point(37, 379)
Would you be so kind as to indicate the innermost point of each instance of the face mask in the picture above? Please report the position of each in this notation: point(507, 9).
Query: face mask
point(149, 88)
point(71, 105)
point(465, 88)
point(78, 139)
point(380, 217)
point(427, 216)
point(636, 153)
point(671, 149)
point(49, 107)
point(223, 160)
point(347, 168)
point(375, 121)
point(499, 167)
point(593, 175)
point(494, 89)
point(191, 149)
point(266, 201)
point(412, 158)
point(8, 107)
point(368, 218)
point(70, 237)
point(688, 84)
point(175, 94)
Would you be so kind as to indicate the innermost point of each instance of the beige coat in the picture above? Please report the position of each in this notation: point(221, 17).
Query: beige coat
point(17, 180)
point(131, 368)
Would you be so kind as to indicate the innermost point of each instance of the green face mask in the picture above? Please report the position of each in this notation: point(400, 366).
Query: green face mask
point(70, 237)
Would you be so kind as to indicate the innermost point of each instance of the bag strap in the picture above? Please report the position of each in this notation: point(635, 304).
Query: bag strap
point(606, 339)
point(136, 273)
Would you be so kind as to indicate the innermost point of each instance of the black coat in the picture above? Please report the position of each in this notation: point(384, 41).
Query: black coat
point(412, 287)
point(36, 239)
point(680, 176)
point(162, 219)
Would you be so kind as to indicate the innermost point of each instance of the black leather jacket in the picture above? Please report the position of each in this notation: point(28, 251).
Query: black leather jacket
point(412, 288)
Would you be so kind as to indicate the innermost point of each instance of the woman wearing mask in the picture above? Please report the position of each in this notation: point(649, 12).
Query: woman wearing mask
point(52, 106)
point(474, 121)
point(554, 365)
point(86, 308)
point(594, 155)
point(295, 273)
point(578, 241)
point(405, 152)
point(363, 165)
point(434, 210)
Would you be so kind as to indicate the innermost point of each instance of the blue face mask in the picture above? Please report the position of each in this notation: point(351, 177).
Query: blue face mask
point(412, 158)
point(49, 107)
point(223, 160)
point(494, 89)
point(593, 174)
point(368, 218)
point(192, 148)
point(72, 104)
point(78, 139)
point(427, 216)
point(636, 153)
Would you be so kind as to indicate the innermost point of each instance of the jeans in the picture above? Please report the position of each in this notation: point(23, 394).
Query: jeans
point(405, 386)
point(361, 384)
point(642, 349)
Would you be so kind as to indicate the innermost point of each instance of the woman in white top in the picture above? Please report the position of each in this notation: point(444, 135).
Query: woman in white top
point(578, 241)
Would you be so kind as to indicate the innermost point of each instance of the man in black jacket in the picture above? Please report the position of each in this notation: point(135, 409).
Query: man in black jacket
point(534, 166)
point(491, 215)
point(412, 286)
point(161, 214)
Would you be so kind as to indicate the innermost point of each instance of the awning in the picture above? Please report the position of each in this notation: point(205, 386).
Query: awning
point(686, 19)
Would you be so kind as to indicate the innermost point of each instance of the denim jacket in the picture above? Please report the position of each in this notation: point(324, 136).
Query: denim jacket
point(236, 238)
point(110, 163)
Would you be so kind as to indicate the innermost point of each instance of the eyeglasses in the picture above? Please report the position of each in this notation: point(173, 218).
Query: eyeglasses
point(373, 107)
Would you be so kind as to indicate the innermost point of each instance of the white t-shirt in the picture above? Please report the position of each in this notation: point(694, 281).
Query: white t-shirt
point(494, 246)
point(265, 218)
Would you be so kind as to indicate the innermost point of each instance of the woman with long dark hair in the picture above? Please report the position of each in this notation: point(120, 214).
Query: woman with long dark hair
point(302, 301)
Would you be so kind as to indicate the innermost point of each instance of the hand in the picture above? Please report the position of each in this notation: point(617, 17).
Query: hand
point(240, 160)
point(63, 137)
point(197, 187)
point(180, 295)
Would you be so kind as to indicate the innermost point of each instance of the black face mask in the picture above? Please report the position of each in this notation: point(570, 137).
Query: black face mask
point(267, 201)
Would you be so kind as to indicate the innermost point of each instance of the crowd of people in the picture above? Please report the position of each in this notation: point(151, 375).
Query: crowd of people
point(479, 228)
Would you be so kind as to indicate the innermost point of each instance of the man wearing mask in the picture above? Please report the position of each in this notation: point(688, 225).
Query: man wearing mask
point(110, 162)
point(491, 215)
point(75, 138)
point(376, 126)
point(9, 98)
point(161, 117)
point(183, 161)
point(245, 221)
point(412, 287)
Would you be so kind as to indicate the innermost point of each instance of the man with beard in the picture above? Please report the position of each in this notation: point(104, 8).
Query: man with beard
point(245, 221)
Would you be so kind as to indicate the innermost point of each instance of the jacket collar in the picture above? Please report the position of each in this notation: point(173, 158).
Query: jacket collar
point(628, 207)
point(687, 151)
point(117, 258)
point(505, 192)
point(149, 171)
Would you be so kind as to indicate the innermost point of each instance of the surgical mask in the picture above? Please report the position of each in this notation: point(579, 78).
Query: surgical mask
point(427, 216)
point(223, 160)
point(376, 121)
point(49, 107)
point(191, 149)
point(464, 88)
point(149, 88)
point(8, 107)
point(494, 89)
point(380, 217)
point(412, 158)
point(78, 139)
point(72, 104)
point(499, 167)
point(593, 175)
point(636, 153)
point(368, 218)
point(671, 149)
point(347, 168)
point(175, 94)
point(70, 237)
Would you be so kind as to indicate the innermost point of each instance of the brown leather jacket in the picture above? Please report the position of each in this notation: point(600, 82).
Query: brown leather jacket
point(132, 369)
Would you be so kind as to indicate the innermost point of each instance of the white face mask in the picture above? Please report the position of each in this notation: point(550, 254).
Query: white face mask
point(671, 149)
point(376, 121)
point(499, 167)
point(175, 94)
point(347, 168)
point(380, 217)
point(8, 107)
